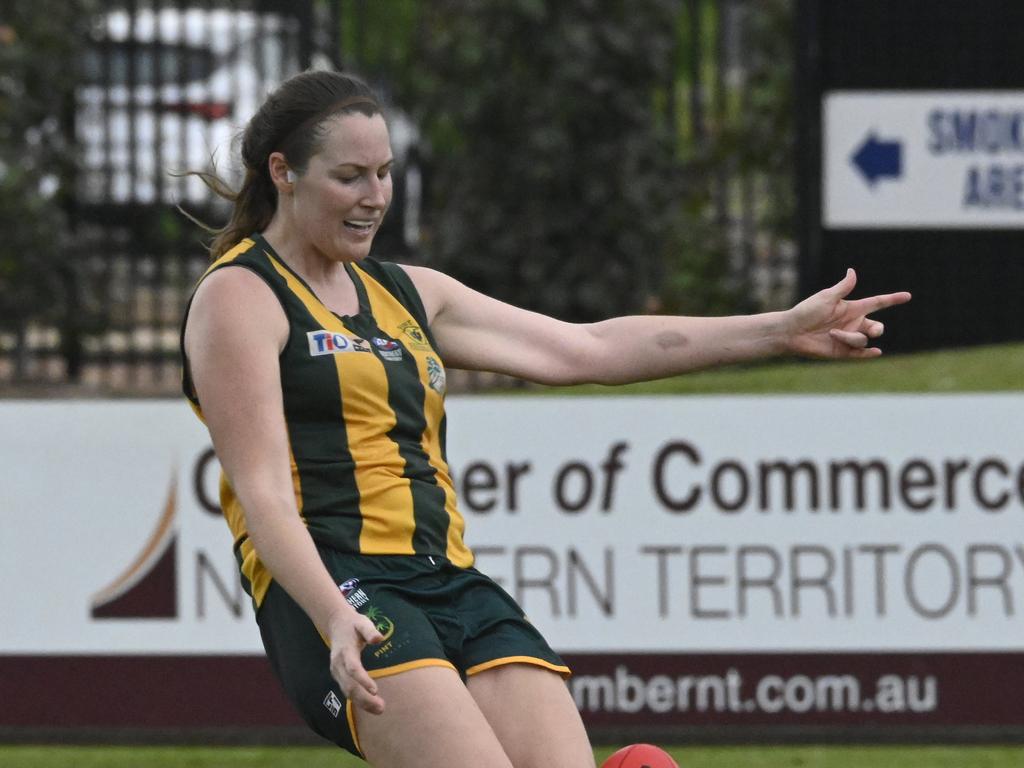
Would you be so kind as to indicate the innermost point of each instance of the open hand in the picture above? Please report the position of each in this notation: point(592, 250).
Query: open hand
point(350, 632)
point(830, 326)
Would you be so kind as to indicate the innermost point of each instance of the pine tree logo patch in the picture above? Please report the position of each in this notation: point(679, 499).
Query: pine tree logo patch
point(435, 375)
point(382, 623)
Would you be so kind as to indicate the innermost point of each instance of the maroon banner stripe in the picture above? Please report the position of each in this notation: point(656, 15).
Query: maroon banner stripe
point(663, 691)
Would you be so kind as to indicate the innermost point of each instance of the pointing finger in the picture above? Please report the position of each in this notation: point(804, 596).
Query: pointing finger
point(875, 303)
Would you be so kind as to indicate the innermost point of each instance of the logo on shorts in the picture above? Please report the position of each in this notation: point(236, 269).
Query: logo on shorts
point(435, 374)
point(391, 641)
point(383, 624)
point(388, 348)
point(353, 594)
point(328, 343)
point(333, 703)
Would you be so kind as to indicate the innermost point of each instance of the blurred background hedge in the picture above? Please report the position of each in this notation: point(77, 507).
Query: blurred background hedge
point(578, 158)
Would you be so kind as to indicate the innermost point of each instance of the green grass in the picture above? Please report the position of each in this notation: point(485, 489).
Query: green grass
point(687, 757)
point(998, 368)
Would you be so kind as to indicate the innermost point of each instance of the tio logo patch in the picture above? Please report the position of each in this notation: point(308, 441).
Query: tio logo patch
point(329, 343)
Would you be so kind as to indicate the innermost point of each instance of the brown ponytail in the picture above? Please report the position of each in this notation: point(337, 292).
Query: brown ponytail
point(290, 121)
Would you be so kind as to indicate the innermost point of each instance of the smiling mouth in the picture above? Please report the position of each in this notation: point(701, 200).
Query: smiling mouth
point(360, 226)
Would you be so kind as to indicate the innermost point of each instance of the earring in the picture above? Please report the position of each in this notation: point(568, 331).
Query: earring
point(289, 176)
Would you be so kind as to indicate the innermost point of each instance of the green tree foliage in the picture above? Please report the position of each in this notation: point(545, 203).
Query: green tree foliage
point(591, 158)
point(735, 124)
point(557, 182)
point(768, 135)
point(37, 54)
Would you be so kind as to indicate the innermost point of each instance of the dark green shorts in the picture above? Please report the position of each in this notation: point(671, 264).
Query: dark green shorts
point(430, 612)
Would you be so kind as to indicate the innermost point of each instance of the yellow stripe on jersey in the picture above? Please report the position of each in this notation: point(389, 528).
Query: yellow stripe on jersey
point(392, 318)
point(230, 255)
point(386, 501)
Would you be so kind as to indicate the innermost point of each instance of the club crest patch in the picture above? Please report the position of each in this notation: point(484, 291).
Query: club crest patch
point(417, 339)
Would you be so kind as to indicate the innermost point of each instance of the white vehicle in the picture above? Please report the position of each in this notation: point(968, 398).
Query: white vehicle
point(169, 90)
point(166, 91)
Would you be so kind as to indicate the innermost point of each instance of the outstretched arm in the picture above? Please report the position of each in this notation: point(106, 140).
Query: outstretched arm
point(480, 333)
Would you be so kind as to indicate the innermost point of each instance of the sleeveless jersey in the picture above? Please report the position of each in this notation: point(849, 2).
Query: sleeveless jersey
point(364, 410)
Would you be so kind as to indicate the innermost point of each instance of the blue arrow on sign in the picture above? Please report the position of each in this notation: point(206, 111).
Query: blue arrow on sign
point(877, 159)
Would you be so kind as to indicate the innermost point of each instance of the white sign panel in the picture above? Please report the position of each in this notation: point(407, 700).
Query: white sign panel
point(752, 524)
point(933, 159)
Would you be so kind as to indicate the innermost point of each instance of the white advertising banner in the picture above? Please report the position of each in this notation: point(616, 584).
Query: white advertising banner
point(660, 524)
point(923, 159)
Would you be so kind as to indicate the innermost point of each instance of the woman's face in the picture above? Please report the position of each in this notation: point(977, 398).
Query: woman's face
point(340, 200)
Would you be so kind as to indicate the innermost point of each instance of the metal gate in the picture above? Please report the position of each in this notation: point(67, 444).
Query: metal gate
point(163, 88)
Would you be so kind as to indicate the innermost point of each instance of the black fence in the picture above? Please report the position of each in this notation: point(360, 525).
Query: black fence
point(164, 87)
point(968, 282)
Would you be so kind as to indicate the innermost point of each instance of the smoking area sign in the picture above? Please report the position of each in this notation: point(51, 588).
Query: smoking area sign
point(923, 159)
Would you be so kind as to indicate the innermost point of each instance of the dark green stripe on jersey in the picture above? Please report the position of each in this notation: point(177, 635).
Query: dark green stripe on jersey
point(406, 398)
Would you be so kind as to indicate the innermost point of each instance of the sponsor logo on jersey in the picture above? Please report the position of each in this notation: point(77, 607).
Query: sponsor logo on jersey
point(330, 343)
point(435, 373)
point(389, 349)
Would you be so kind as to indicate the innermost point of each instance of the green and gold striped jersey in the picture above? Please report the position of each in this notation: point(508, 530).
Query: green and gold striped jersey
point(364, 409)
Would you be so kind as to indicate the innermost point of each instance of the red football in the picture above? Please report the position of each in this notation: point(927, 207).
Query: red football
point(640, 756)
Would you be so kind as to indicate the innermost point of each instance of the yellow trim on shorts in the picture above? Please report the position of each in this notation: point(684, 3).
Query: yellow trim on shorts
point(562, 670)
point(350, 715)
point(398, 668)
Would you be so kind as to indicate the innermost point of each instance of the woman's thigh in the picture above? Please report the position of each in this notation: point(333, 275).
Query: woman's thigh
point(533, 716)
point(430, 721)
